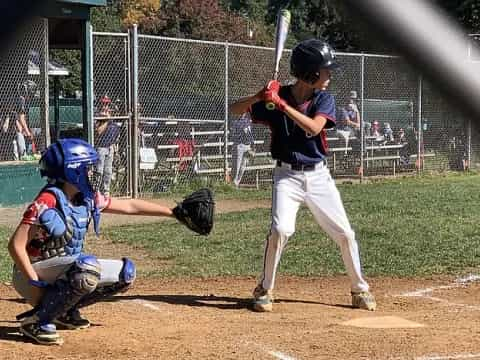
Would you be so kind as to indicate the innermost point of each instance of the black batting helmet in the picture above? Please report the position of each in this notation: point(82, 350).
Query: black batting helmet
point(309, 56)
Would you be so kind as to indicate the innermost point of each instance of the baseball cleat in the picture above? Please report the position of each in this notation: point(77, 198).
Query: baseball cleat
point(43, 334)
point(262, 299)
point(72, 321)
point(364, 300)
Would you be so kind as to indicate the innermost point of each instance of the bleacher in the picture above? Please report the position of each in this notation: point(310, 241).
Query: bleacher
point(208, 153)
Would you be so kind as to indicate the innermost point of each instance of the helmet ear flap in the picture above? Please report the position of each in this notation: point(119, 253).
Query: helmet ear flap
point(51, 162)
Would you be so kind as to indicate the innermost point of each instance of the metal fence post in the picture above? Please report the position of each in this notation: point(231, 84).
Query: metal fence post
point(91, 127)
point(225, 135)
point(134, 109)
point(46, 97)
point(362, 127)
point(420, 159)
point(469, 141)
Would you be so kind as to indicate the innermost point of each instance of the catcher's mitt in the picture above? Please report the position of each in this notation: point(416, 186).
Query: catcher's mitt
point(196, 211)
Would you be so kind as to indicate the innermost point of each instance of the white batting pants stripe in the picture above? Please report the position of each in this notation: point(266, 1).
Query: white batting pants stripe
point(318, 191)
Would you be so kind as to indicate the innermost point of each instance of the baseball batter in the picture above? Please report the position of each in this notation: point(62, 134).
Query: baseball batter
point(302, 113)
point(51, 271)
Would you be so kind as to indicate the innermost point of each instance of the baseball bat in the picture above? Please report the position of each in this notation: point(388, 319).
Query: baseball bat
point(283, 22)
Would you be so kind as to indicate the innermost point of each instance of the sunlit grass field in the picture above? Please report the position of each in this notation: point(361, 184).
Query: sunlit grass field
point(405, 227)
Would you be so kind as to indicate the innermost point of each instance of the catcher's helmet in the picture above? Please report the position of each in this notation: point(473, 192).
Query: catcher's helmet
point(70, 160)
point(309, 56)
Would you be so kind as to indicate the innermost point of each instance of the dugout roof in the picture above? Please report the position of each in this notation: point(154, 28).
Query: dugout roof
point(67, 20)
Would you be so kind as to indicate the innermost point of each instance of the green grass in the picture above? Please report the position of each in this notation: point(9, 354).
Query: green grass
point(405, 227)
point(222, 191)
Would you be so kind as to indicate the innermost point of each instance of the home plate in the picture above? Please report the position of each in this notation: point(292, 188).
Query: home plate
point(382, 322)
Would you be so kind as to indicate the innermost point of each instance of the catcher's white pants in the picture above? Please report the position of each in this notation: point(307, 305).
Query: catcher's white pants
point(55, 268)
point(317, 190)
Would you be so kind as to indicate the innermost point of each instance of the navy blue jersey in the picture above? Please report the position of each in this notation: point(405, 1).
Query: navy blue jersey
point(109, 137)
point(290, 143)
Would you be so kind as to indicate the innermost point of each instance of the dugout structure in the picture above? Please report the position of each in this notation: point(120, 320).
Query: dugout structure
point(27, 76)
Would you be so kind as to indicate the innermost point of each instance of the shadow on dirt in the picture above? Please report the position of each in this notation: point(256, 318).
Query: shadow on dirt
point(219, 302)
point(11, 333)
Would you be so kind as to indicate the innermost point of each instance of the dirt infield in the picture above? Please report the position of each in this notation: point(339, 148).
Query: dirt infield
point(211, 319)
point(434, 318)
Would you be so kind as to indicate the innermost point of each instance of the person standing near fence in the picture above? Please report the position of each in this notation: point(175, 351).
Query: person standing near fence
point(302, 113)
point(243, 143)
point(107, 132)
point(349, 122)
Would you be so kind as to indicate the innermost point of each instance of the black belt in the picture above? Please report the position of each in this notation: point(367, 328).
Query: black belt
point(299, 167)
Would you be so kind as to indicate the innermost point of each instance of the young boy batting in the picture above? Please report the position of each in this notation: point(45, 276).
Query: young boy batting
point(302, 113)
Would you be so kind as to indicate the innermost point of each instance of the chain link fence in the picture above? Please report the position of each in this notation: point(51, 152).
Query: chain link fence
point(23, 78)
point(23, 97)
point(181, 133)
point(111, 92)
point(186, 134)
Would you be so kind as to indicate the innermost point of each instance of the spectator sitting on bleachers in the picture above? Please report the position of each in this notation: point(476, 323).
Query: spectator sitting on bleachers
point(388, 133)
point(401, 138)
point(376, 131)
point(404, 151)
point(348, 122)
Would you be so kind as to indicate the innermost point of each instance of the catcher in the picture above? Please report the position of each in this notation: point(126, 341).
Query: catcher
point(50, 269)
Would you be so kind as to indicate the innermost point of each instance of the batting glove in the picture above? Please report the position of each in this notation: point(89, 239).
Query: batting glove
point(271, 96)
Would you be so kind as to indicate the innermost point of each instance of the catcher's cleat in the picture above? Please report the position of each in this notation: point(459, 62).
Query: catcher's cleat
point(364, 300)
point(262, 299)
point(43, 334)
point(72, 321)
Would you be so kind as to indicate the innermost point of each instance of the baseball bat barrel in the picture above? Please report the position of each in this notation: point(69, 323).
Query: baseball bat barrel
point(283, 23)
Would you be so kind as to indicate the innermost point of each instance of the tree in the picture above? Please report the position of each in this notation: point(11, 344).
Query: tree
point(205, 20)
point(136, 11)
point(107, 18)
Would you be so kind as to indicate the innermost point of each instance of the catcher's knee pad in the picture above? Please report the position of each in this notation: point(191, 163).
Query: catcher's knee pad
point(126, 277)
point(128, 272)
point(84, 275)
point(81, 280)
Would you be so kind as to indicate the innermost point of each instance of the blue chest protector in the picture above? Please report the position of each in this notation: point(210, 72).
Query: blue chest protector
point(76, 219)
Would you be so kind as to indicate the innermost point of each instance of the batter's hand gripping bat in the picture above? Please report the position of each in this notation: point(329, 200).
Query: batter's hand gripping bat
point(283, 22)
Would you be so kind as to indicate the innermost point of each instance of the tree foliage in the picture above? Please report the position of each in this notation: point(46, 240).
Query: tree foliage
point(107, 18)
point(248, 22)
point(253, 21)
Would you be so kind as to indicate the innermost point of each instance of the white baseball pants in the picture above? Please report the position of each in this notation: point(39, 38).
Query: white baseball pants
point(317, 190)
point(239, 161)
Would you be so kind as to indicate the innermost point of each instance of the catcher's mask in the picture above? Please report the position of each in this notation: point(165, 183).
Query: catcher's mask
point(72, 161)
